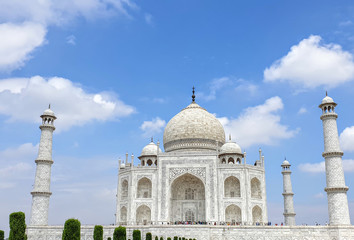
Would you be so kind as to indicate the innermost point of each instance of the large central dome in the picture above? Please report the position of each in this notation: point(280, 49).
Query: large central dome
point(194, 128)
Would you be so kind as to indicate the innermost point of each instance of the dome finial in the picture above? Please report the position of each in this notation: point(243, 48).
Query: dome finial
point(49, 106)
point(193, 96)
point(326, 94)
point(230, 136)
point(152, 139)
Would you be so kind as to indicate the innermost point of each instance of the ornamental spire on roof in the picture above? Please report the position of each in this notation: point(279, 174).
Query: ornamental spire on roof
point(193, 96)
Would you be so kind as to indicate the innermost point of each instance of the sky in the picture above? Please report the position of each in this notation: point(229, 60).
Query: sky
point(116, 71)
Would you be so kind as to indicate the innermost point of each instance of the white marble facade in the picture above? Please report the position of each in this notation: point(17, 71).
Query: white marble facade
point(199, 178)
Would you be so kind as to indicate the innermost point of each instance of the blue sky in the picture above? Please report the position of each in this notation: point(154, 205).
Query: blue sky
point(116, 71)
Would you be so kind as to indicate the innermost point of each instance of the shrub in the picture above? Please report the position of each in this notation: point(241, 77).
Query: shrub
point(161, 238)
point(98, 233)
point(109, 238)
point(169, 238)
point(120, 233)
point(71, 230)
point(156, 238)
point(17, 226)
point(148, 236)
point(175, 238)
point(136, 235)
point(2, 235)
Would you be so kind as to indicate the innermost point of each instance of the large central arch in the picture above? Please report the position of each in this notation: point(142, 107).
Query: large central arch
point(187, 201)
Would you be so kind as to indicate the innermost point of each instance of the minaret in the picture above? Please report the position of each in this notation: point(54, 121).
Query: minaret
point(289, 213)
point(336, 190)
point(41, 190)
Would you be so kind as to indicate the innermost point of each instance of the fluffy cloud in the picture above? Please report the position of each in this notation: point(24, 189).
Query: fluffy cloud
point(348, 166)
point(259, 124)
point(26, 98)
point(14, 164)
point(25, 23)
point(302, 110)
point(346, 139)
point(59, 12)
point(311, 64)
point(152, 127)
point(17, 41)
point(214, 86)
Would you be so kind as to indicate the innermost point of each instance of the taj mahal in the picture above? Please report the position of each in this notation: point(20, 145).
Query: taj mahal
point(202, 186)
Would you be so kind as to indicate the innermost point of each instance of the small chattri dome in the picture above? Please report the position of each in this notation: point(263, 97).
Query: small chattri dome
point(48, 112)
point(150, 150)
point(327, 99)
point(230, 148)
point(285, 163)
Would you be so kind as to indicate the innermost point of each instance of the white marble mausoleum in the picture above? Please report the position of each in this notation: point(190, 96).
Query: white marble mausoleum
point(200, 177)
point(201, 186)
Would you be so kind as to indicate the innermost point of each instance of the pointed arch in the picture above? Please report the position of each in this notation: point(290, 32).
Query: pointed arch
point(124, 189)
point(233, 214)
point(256, 191)
point(256, 215)
point(123, 214)
point(232, 187)
point(187, 194)
point(144, 188)
point(143, 215)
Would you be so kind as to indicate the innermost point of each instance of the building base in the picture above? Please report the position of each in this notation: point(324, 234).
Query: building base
point(208, 232)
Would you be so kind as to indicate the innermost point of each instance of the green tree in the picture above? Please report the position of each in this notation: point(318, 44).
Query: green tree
point(175, 238)
point(136, 235)
point(98, 233)
point(71, 230)
point(156, 238)
point(120, 233)
point(109, 238)
point(2, 235)
point(17, 226)
point(148, 236)
point(161, 238)
point(169, 238)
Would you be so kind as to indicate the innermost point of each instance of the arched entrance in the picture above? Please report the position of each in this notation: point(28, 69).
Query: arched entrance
point(143, 215)
point(187, 199)
point(257, 215)
point(233, 214)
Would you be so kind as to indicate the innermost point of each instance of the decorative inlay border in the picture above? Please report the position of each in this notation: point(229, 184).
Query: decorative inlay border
point(176, 172)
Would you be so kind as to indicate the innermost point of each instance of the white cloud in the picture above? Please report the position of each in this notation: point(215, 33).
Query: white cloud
point(259, 124)
point(27, 98)
point(302, 110)
point(17, 42)
point(348, 166)
point(345, 23)
point(246, 87)
point(25, 23)
point(214, 86)
point(15, 166)
point(71, 40)
point(149, 19)
point(346, 139)
point(59, 12)
point(152, 127)
point(319, 195)
point(312, 64)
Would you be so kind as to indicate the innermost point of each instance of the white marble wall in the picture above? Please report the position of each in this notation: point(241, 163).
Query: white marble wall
point(204, 166)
